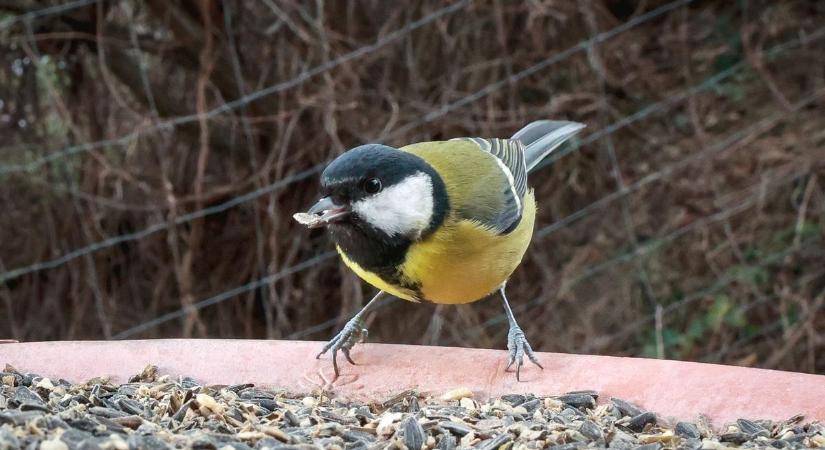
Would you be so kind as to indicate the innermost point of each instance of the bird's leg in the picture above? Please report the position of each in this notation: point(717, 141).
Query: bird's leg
point(354, 332)
point(517, 344)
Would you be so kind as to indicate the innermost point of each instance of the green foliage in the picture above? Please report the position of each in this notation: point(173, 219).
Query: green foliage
point(50, 82)
point(728, 33)
point(683, 338)
point(723, 312)
point(733, 91)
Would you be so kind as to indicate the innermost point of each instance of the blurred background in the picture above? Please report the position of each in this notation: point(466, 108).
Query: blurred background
point(152, 154)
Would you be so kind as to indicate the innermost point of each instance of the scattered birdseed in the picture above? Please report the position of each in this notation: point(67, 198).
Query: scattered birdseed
point(156, 412)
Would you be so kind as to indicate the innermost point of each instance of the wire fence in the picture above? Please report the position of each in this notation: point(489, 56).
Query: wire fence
point(643, 113)
point(123, 141)
point(640, 250)
point(44, 12)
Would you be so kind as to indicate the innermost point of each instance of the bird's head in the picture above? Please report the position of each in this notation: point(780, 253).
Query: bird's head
point(380, 192)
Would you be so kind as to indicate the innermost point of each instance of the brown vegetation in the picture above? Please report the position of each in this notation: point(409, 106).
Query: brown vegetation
point(693, 230)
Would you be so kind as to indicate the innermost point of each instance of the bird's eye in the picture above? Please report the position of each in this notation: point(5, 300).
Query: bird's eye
point(372, 185)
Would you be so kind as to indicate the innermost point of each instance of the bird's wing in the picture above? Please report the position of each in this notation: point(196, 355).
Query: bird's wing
point(509, 156)
point(486, 179)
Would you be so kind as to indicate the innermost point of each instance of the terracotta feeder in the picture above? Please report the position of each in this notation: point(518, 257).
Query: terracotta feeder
point(672, 389)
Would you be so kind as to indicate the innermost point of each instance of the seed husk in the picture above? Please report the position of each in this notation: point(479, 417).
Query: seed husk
point(688, 430)
point(459, 429)
point(752, 428)
point(590, 430)
point(639, 422)
point(735, 437)
point(626, 408)
point(414, 436)
point(578, 400)
point(496, 442)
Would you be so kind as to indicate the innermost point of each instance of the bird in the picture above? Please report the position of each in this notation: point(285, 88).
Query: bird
point(445, 222)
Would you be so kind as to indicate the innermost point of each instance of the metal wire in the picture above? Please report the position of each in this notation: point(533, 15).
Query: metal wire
point(667, 171)
point(541, 233)
point(224, 296)
point(550, 61)
point(161, 125)
point(154, 228)
point(43, 12)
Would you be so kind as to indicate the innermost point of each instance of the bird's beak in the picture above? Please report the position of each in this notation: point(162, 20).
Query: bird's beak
point(323, 213)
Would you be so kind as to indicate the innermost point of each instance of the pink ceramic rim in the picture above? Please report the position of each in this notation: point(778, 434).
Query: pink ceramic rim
point(674, 390)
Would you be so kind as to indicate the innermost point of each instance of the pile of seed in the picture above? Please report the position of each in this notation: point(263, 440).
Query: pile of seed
point(158, 412)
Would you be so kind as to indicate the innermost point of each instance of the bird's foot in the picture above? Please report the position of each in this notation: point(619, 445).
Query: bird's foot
point(517, 346)
point(354, 332)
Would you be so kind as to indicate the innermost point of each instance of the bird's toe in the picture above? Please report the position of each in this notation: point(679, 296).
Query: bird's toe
point(517, 347)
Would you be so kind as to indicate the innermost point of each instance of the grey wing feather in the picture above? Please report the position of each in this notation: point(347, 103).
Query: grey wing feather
point(542, 137)
point(510, 154)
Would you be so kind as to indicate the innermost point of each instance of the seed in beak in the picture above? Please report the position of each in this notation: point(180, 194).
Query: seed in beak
point(322, 213)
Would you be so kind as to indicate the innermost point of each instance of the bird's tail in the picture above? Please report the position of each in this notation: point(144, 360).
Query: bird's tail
point(541, 137)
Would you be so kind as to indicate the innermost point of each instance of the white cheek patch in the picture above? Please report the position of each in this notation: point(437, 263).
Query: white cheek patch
point(405, 208)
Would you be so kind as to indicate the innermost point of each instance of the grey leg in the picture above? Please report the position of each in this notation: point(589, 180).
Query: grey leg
point(354, 332)
point(517, 344)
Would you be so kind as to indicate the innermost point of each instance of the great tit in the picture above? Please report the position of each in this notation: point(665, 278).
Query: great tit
point(445, 222)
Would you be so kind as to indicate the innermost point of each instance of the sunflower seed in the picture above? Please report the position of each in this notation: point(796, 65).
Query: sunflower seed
point(626, 408)
point(735, 438)
point(413, 433)
point(577, 400)
point(456, 428)
point(25, 396)
point(638, 423)
point(513, 399)
point(447, 442)
point(688, 430)
point(590, 430)
point(752, 428)
point(496, 442)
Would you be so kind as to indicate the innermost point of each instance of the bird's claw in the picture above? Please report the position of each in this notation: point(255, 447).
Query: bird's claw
point(353, 333)
point(517, 347)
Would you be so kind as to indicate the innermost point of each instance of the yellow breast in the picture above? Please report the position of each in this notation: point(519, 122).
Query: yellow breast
point(460, 263)
point(463, 262)
point(376, 280)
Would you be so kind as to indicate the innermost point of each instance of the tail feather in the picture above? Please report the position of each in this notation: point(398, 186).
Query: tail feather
point(541, 137)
